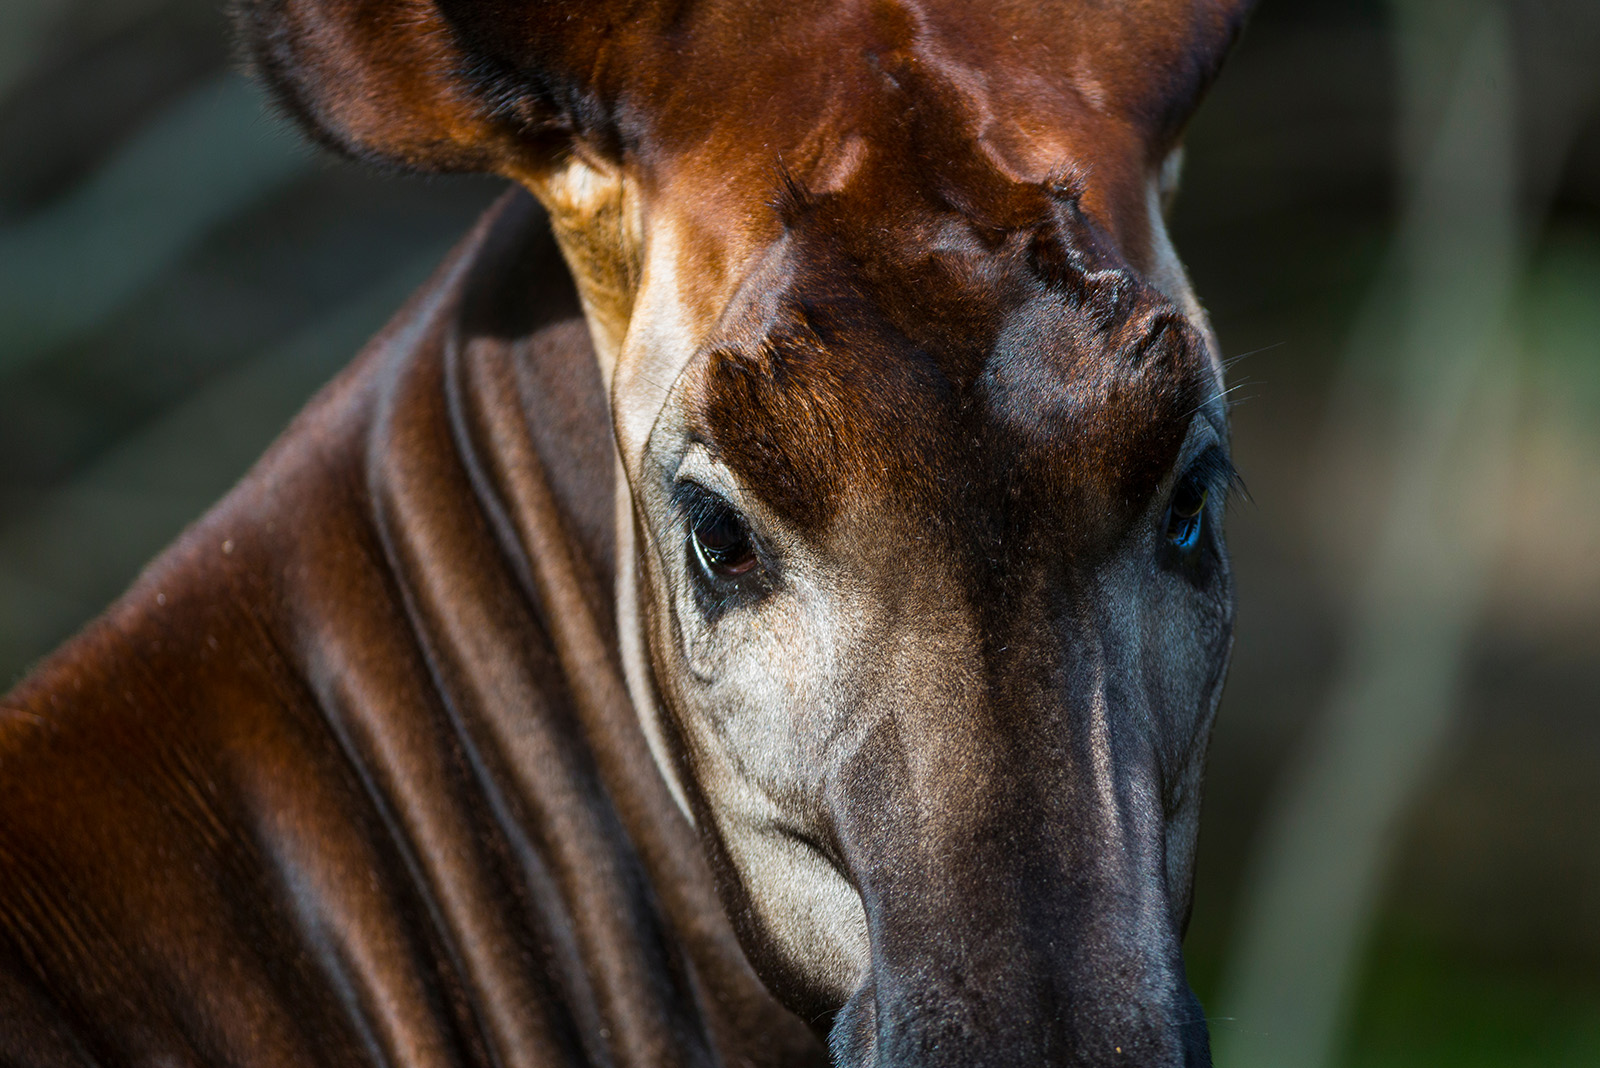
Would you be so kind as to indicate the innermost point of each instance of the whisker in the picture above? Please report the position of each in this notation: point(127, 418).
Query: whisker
point(1231, 360)
point(1223, 395)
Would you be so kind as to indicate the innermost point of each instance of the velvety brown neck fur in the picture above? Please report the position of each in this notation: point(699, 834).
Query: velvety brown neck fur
point(386, 801)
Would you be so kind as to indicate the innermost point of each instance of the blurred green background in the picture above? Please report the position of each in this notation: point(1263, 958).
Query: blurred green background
point(1392, 210)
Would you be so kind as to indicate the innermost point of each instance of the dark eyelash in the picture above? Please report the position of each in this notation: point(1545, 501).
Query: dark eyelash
point(693, 503)
point(1213, 472)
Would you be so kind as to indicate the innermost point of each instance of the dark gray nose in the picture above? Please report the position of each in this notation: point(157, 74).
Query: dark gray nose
point(1011, 853)
point(1084, 978)
point(965, 1035)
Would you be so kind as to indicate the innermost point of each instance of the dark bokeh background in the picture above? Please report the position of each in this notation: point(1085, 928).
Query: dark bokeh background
point(177, 275)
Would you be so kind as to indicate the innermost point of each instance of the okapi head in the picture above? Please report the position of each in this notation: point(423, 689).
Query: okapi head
point(923, 595)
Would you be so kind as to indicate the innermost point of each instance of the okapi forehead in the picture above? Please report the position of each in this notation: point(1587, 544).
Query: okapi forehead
point(918, 114)
point(961, 372)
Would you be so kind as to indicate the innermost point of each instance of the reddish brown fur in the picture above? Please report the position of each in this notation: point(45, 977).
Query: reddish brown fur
point(352, 774)
point(1091, 387)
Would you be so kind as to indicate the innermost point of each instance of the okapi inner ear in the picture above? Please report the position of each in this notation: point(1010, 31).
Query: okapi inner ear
point(400, 82)
point(1157, 59)
point(372, 79)
point(442, 85)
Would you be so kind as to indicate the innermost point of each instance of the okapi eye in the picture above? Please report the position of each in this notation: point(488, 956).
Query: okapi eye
point(1186, 516)
point(721, 541)
point(1210, 475)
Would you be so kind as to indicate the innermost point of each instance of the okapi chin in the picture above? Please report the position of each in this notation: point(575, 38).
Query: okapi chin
point(791, 640)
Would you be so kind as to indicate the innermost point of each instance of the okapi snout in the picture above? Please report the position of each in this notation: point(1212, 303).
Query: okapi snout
point(1015, 878)
point(1137, 1016)
point(1075, 976)
point(1096, 987)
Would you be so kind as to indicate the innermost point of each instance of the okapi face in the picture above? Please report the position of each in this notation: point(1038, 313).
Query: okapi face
point(939, 610)
point(922, 590)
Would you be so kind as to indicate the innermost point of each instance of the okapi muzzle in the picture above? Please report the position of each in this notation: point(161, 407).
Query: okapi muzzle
point(791, 638)
point(1020, 901)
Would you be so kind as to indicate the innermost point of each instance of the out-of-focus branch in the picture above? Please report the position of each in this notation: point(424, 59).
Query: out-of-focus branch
point(68, 268)
point(1309, 898)
point(61, 562)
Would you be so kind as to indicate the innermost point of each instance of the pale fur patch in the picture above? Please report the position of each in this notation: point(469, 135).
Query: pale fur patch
point(595, 215)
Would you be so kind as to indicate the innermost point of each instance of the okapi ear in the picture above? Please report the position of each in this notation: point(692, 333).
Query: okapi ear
point(1170, 53)
point(406, 82)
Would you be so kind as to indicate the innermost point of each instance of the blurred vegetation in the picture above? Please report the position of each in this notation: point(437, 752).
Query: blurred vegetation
point(178, 274)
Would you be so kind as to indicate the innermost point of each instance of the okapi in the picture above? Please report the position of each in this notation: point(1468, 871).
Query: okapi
point(796, 641)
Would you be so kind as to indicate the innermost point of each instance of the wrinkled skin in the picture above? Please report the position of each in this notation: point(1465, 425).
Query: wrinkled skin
point(922, 597)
